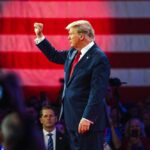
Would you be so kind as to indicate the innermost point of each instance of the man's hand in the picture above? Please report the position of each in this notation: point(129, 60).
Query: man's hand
point(84, 125)
point(38, 28)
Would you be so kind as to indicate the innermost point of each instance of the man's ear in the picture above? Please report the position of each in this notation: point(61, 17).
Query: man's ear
point(81, 36)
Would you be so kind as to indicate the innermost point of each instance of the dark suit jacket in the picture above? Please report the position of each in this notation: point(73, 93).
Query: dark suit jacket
point(62, 142)
point(84, 92)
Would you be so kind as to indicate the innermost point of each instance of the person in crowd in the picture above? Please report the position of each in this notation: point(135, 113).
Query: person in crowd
point(135, 136)
point(12, 131)
point(18, 132)
point(87, 72)
point(146, 121)
point(113, 133)
point(53, 138)
point(113, 99)
point(43, 99)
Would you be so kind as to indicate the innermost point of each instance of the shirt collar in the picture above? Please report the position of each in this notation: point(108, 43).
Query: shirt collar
point(86, 48)
point(52, 132)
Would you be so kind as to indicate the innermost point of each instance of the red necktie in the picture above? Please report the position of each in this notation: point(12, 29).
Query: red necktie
point(75, 61)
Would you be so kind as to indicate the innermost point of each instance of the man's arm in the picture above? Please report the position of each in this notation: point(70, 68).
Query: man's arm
point(99, 82)
point(47, 49)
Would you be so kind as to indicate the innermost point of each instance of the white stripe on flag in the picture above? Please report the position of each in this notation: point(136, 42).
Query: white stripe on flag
point(75, 9)
point(109, 43)
point(35, 77)
point(133, 77)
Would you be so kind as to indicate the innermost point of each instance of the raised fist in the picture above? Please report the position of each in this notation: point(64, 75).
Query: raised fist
point(38, 28)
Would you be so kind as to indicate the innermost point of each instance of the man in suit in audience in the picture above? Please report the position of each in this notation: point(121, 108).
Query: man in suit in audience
point(48, 119)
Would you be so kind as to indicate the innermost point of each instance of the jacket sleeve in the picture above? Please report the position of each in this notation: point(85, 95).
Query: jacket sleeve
point(51, 53)
point(99, 83)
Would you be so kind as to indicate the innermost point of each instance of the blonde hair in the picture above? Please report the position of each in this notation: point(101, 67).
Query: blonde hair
point(83, 26)
point(128, 127)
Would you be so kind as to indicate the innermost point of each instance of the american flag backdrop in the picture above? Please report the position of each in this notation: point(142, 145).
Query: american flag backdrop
point(122, 30)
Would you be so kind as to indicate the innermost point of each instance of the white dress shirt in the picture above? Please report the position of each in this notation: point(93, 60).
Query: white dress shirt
point(46, 136)
point(85, 49)
point(39, 40)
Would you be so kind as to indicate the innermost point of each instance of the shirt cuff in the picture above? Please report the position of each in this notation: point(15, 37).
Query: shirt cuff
point(39, 40)
point(88, 120)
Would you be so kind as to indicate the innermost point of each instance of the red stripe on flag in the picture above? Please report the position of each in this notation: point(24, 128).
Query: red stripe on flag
point(53, 93)
point(129, 60)
point(108, 43)
point(25, 60)
point(36, 60)
point(57, 26)
point(127, 94)
point(134, 94)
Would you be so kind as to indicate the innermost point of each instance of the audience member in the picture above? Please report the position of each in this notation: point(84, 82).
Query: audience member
point(113, 133)
point(17, 129)
point(146, 121)
point(52, 136)
point(135, 137)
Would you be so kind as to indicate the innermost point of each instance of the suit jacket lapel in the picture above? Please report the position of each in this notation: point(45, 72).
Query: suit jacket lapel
point(83, 60)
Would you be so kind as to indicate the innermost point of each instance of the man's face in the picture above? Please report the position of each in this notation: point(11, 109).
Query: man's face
point(135, 129)
point(115, 114)
point(48, 118)
point(74, 38)
point(135, 124)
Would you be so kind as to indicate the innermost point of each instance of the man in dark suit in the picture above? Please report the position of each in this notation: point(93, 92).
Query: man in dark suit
point(48, 119)
point(87, 72)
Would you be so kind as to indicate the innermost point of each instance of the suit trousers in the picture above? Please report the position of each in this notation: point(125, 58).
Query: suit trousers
point(87, 141)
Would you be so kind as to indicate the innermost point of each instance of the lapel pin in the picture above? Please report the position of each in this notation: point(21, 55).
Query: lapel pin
point(87, 57)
